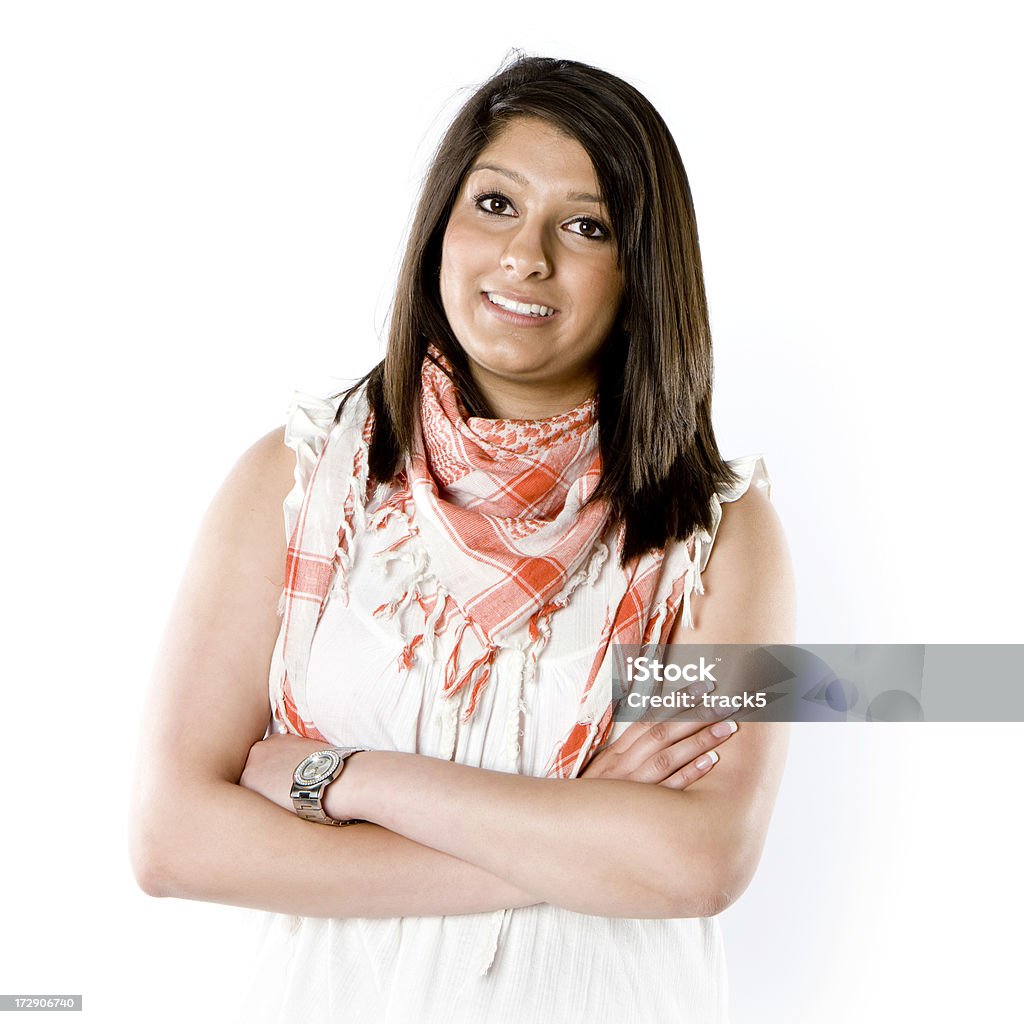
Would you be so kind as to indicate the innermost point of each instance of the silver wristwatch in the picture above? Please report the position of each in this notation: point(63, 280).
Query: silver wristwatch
point(313, 775)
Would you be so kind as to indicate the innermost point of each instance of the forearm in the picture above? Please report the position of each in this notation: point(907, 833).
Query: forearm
point(222, 843)
point(600, 846)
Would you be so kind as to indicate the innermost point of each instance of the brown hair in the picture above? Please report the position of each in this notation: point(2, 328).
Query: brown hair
point(661, 463)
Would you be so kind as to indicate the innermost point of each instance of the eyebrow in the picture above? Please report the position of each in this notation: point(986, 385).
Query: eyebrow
point(572, 197)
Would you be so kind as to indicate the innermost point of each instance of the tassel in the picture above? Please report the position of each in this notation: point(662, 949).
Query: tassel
point(433, 625)
point(516, 708)
point(390, 609)
point(398, 551)
point(453, 682)
point(687, 618)
point(449, 723)
point(698, 585)
point(484, 662)
point(402, 540)
point(351, 519)
point(539, 625)
point(408, 655)
point(450, 686)
point(540, 622)
point(656, 622)
point(382, 517)
point(339, 588)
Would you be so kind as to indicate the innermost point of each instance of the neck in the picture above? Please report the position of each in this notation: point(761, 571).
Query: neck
point(510, 400)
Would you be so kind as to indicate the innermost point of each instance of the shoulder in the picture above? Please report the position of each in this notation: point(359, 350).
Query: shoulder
point(750, 534)
point(271, 450)
point(245, 513)
point(748, 579)
point(265, 469)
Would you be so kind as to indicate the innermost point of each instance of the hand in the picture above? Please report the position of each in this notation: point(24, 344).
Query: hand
point(670, 754)
point(272, 763)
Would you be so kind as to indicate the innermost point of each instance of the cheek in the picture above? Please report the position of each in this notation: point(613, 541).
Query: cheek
point(604, 288)
point(460, 251)
point(449, 275)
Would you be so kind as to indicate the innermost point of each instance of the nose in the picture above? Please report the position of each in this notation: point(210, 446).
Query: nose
point(525, 254)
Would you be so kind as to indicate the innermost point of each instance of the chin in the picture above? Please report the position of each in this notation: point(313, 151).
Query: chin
point(505, 359)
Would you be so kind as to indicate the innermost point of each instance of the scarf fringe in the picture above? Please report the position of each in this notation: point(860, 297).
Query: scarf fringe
point(471, 659)
point(568, 757)
point(454, 680)
point(470, 662)
point(466, 666)
point(690, 583)
point(590, 733)
point(353, 521)
point(515, 680)
point(540, 622)
point(283, 700)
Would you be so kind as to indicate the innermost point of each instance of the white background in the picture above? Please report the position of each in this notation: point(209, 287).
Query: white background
point(203, 206)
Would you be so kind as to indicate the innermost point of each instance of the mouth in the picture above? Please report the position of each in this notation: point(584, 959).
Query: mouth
point(519, 313)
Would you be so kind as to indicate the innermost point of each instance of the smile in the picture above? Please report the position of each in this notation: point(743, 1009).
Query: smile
point(520, 308)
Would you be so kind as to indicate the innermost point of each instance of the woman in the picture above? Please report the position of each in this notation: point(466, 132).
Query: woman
point(529, 478)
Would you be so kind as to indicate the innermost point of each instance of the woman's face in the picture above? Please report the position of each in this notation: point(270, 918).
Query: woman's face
point(529, 229)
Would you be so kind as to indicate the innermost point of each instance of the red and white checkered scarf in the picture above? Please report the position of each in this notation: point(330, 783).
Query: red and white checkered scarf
point(502, 507)
point(498, 511)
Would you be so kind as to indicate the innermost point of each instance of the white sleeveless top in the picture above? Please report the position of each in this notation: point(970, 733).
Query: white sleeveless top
point(539, 963)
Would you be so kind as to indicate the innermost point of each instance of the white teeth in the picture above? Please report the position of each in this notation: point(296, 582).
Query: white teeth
point(519, 307)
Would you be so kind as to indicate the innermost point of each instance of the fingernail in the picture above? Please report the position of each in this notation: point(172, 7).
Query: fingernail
point(706, 760)
point(698, 689)
point(725, 728)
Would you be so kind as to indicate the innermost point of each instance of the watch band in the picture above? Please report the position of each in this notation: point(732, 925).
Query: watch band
point(311, 778)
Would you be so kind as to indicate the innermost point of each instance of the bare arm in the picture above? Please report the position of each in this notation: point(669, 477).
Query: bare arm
point(749, 598)
point(611, 846)
point(195, 832)
point(198, 834)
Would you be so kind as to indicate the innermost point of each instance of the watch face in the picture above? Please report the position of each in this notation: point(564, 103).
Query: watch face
point(317, 768)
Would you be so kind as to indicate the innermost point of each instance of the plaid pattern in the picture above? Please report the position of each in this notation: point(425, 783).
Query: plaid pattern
point(494, 510)
point(499, 504)
point(643, 614)
point(322, 513)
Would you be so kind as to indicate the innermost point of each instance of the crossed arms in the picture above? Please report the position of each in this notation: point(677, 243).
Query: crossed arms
point(644, 832)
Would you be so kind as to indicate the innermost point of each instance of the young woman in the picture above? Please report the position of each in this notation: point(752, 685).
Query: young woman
point(529, 478)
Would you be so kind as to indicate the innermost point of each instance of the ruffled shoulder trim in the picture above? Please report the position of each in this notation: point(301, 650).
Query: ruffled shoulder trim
point(307, 426)
point(752, 472)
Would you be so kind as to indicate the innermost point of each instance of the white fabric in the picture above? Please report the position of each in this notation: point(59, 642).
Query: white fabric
point(538, 963)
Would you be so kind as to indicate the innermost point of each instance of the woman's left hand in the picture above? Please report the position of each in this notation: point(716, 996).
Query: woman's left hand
point(272, 763)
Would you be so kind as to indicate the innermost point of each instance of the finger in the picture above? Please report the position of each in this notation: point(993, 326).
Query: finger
point(666, 762)
point(691, 772)
point(684, 723)
point(663, 735)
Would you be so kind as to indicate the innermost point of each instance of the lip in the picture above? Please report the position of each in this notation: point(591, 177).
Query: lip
point(526, 300)
point(517, 319)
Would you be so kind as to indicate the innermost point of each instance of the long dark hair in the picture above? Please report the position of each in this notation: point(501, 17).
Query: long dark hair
point(661, 463)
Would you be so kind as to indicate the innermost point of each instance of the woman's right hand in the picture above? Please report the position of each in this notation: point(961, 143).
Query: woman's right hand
point(671, 754)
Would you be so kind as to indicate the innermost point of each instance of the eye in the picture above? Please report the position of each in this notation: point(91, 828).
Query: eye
point(494, 202)
point(589, 228)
